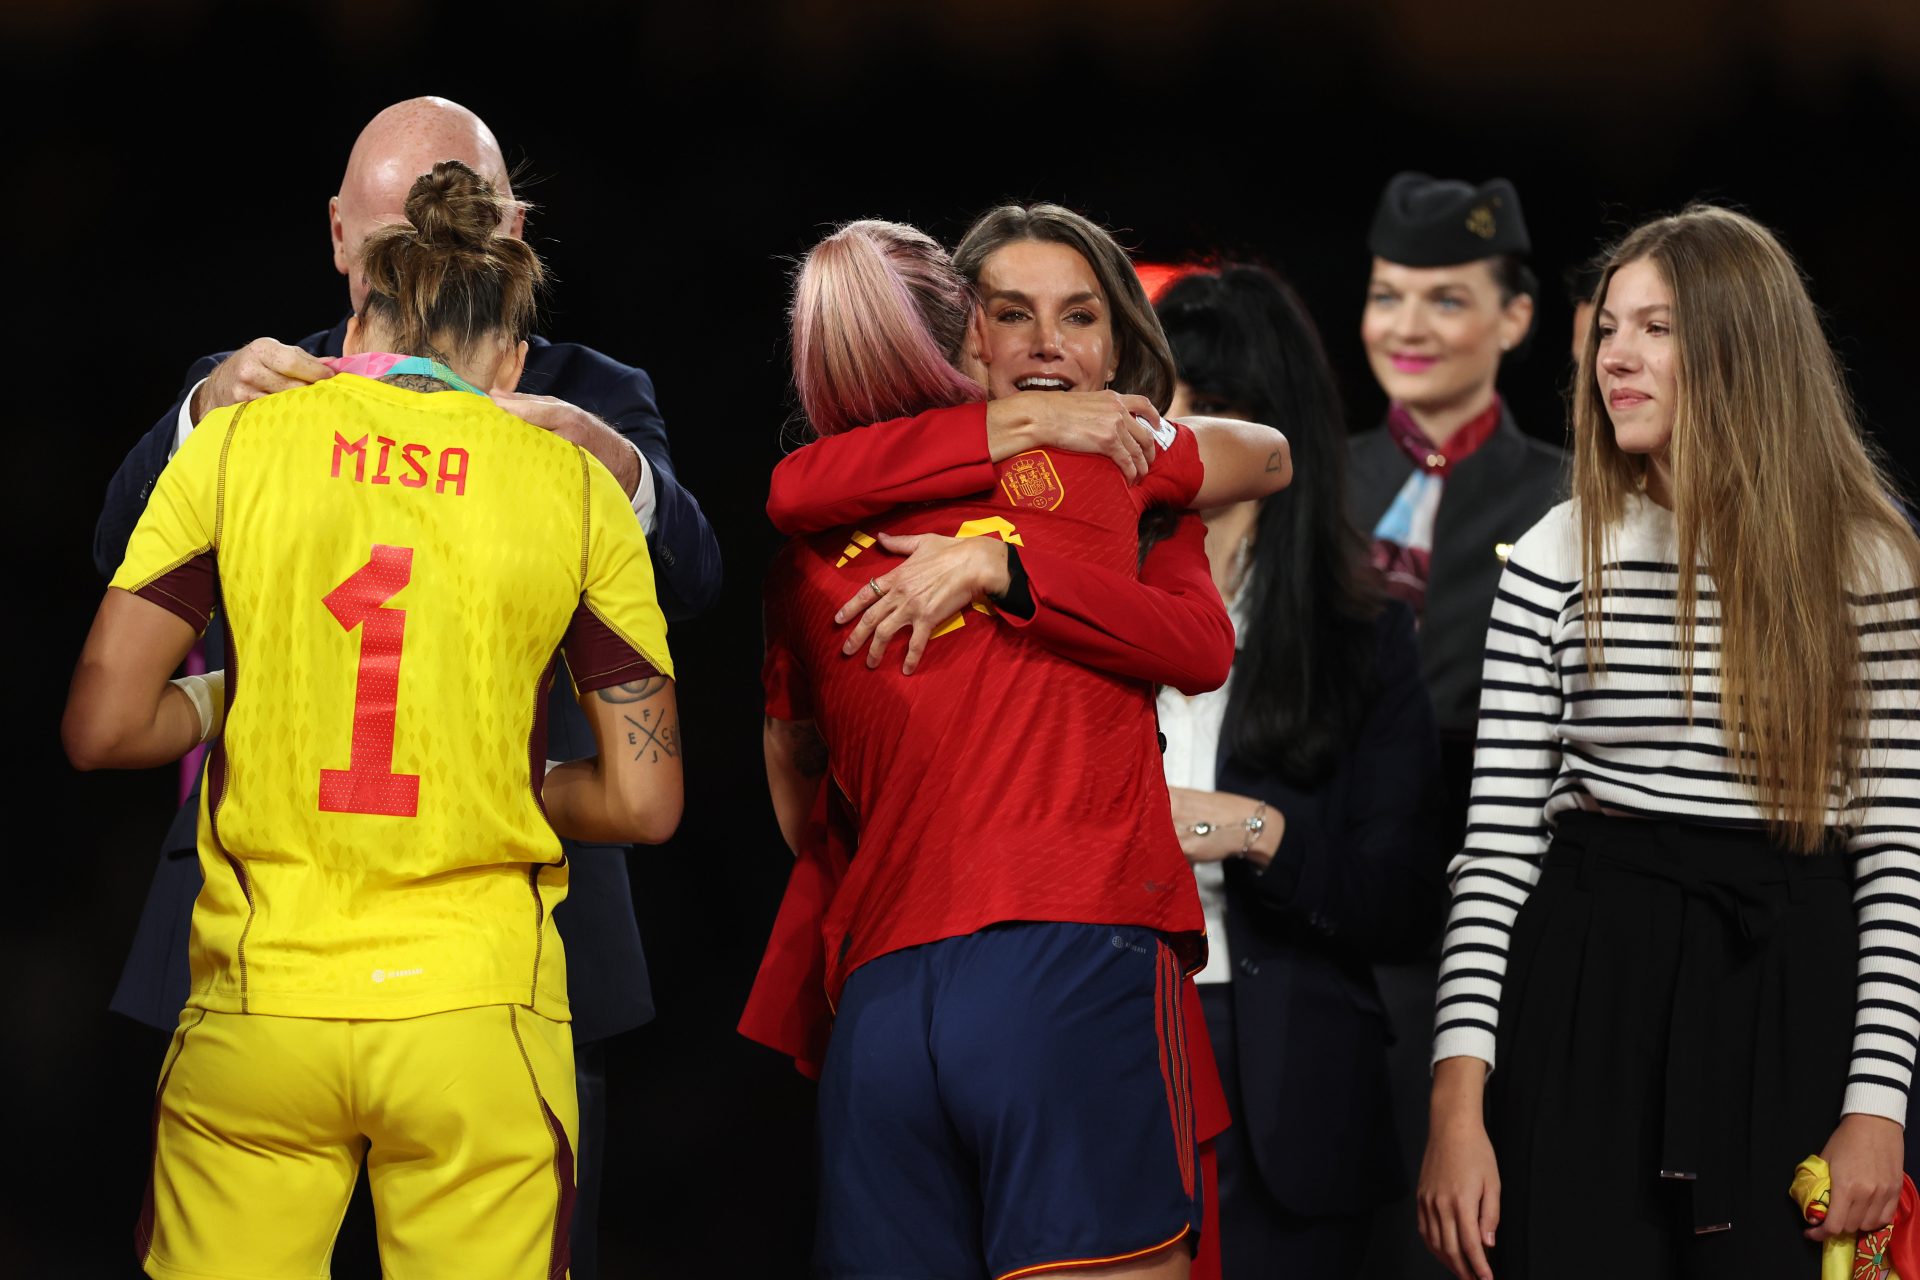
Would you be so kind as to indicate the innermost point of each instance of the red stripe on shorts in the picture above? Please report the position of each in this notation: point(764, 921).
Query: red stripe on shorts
point(1170, 1027)
point(562, 1250)
point(1177, 1015)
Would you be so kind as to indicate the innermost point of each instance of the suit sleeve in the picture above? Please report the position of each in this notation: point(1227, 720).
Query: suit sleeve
point(618, 633)
point(1167, 627)
point(171, 552)
point(685, 554)
point(1369, 876)
point(837, 480)
point(127, 492)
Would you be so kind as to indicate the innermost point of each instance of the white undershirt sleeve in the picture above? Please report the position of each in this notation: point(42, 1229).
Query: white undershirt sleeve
point(183, 425)
point(643, 493)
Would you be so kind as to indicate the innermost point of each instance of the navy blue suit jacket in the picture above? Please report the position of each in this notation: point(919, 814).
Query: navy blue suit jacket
point(1359, 877)
point(606, 968)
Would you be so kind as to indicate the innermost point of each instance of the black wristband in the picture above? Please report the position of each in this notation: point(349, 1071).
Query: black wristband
point(1017, 599)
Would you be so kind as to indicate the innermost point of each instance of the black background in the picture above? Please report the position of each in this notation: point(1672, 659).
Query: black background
point(166, 176)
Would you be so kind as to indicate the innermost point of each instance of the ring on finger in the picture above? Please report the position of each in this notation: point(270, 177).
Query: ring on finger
point(878, 590)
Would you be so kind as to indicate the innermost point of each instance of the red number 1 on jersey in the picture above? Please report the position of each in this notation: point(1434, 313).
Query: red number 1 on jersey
point(369, 784)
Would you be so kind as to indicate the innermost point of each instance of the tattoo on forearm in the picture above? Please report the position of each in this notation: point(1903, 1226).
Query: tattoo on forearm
point(805, 746)
point(652, 734)
point(1276, 460)
point(633, 690)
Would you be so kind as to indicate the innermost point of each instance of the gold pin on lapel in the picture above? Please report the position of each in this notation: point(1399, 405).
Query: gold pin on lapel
point(1501, 550)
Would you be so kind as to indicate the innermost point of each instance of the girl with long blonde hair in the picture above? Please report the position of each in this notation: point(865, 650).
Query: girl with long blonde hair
point(1695, 828)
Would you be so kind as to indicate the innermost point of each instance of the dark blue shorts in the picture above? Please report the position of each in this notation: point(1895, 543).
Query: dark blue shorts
point(1005, 1103)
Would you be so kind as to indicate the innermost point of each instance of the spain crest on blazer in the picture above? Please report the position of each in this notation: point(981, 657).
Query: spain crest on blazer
point(1030, 481)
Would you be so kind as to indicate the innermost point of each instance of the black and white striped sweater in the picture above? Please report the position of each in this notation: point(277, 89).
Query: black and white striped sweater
point(1552, 739)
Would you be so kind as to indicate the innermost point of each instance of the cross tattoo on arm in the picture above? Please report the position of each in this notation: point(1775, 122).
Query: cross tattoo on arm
point(652, 735)
point(652, 732)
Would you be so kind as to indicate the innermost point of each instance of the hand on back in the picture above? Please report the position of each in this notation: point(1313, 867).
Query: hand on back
point(939, 577)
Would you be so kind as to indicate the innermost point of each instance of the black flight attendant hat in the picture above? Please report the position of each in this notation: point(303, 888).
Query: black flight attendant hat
point(1442, 222)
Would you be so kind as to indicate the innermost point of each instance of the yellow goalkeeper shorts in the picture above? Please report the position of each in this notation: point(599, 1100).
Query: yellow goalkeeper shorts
point(467, 1121)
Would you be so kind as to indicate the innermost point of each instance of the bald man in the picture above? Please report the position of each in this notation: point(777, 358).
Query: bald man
point(605, 407)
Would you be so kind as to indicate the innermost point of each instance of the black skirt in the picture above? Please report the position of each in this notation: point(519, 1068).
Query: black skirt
point(1675, 1030)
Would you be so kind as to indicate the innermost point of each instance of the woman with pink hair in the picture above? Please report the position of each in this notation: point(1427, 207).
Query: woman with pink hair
point(1007, 1089)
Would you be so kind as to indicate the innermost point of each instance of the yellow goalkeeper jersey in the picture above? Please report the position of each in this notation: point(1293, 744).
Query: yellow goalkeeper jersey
point(398, 572)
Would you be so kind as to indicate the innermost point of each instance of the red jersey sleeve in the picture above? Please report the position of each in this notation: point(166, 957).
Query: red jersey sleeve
point(838, 480)
point(1168, 627)
point(1174, 478)
point(788, 1009)
point(789, 694)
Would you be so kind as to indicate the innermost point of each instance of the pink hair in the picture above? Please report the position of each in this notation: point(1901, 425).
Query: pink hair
point(879, 314)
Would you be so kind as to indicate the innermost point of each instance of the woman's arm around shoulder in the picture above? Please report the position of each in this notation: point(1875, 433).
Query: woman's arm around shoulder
point(1166, 627)
point(950, 453)
point(1242, 461)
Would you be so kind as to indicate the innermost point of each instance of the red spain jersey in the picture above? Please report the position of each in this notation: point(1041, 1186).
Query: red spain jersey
point(998, 782)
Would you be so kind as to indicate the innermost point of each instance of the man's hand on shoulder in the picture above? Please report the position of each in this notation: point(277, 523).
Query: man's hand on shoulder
point(572, 423)
point(260, 368)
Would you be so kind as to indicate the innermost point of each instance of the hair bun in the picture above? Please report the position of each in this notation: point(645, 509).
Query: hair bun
point(453, 207)
point(446, 276)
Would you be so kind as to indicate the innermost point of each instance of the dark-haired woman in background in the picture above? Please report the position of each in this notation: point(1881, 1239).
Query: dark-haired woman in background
point(1304, 795)
point(1444, 487)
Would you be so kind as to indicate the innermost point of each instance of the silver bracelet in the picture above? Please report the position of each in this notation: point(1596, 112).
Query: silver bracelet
point(1255, 825)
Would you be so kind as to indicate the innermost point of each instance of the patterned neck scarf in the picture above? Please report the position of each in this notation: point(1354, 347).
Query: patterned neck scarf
point(1403, 539)
point(1425, 455)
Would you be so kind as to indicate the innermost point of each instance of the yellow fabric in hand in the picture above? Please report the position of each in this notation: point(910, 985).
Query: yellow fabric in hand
point(1843, 1257)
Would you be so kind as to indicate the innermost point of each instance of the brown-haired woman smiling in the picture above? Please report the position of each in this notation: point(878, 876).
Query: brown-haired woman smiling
point(1695, 827)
